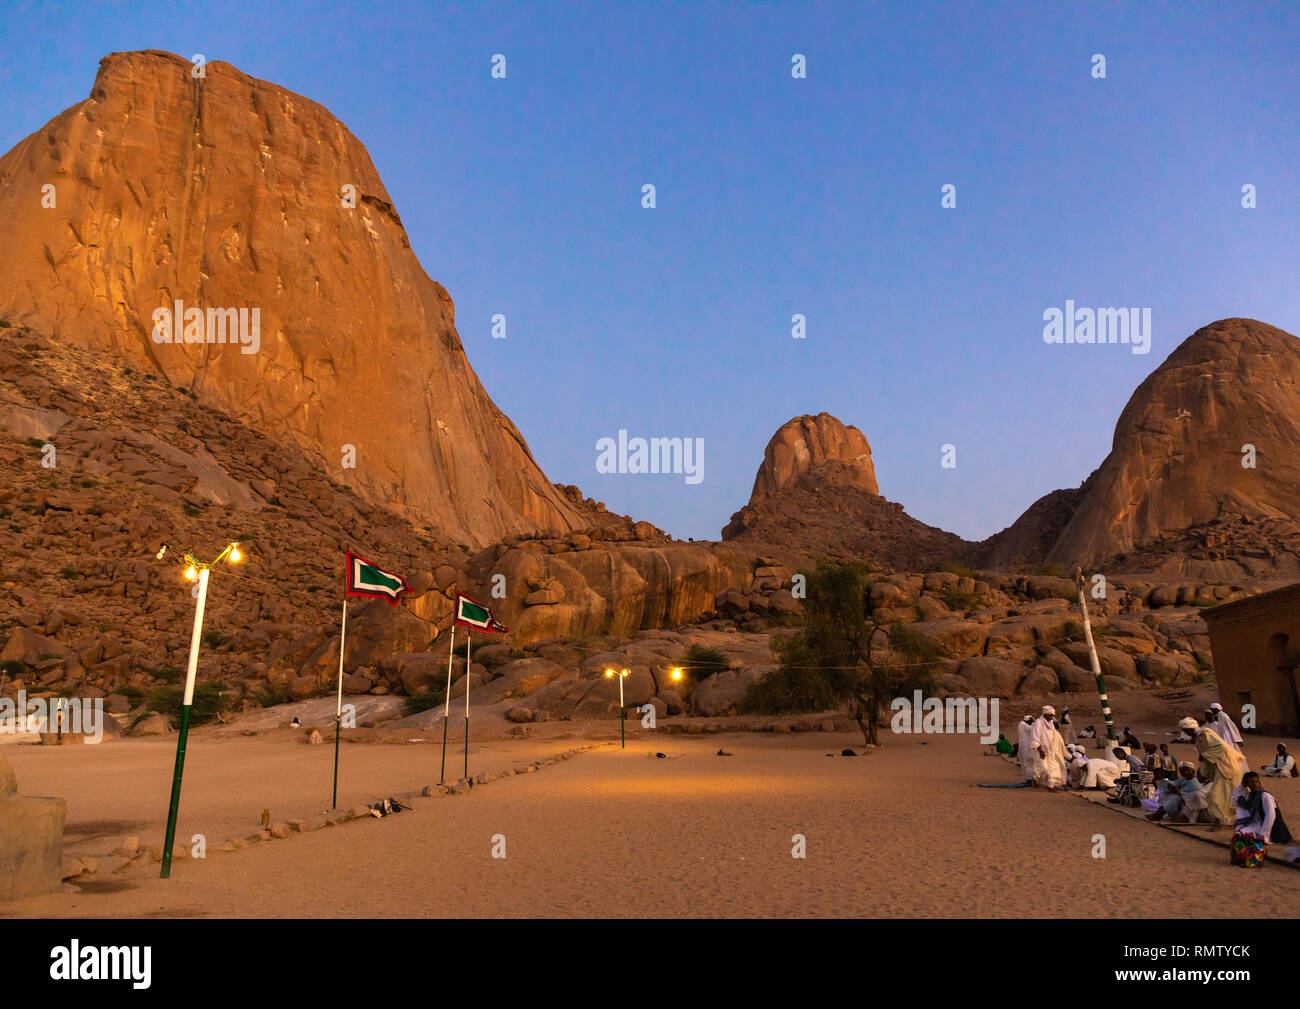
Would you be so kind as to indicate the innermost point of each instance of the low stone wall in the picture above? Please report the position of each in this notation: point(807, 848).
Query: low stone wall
point(31, 840)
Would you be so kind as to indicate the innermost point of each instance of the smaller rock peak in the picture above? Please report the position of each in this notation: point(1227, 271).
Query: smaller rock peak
point(804, 443)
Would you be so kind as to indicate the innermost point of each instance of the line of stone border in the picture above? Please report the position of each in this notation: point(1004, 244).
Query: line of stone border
point(131, 852)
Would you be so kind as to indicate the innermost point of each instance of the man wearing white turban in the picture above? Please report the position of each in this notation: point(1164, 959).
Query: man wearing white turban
point(1220, 767)
point(1025, 748)
point(1049, 747)
point(1227, 730)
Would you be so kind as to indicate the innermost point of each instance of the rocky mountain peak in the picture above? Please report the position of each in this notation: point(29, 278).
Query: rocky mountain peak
point(807, 442)
point(236, 239)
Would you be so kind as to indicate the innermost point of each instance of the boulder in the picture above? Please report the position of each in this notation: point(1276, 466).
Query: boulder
point(28, 647)
point(955, 639)
point(991, 675)
point(151, 724)
point(719, 693)
point(1113, 662)
point(1163, 669)
point(1038, 681)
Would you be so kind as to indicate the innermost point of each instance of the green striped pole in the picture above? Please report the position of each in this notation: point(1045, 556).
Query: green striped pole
point(173, 808)
point(1096, 665)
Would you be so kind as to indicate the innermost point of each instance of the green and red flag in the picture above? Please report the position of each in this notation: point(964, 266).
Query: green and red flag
point(472, 613)
point(366, 579)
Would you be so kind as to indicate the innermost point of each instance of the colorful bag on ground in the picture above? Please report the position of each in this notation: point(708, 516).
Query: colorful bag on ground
point(1248, 850)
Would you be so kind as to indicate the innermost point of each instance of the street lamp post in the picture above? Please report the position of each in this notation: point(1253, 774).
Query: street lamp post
point(622, 713)
point(199, 571)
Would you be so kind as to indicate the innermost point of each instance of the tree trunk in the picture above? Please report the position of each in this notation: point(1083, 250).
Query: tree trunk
point(867, 725)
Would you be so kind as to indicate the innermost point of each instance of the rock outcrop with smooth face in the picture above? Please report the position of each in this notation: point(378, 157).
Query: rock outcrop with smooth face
point(815, 495)
point(227, 192)
point(804, 443)
point(1173, 495)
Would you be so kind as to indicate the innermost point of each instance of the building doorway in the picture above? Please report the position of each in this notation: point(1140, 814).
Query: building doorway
point(1284, 656)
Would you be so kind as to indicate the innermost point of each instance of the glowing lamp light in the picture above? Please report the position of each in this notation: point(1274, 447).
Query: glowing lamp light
point(677, 674)
point(191, 572)
point(161, 550)
point(235, 555)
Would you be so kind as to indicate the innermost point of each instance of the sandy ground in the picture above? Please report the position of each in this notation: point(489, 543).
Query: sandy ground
point(899, 832)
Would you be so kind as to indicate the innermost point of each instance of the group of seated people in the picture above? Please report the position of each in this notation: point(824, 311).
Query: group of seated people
point(1219, 789)
point(1104, 772)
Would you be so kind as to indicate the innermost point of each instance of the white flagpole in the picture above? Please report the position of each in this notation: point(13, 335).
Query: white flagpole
point(343, 632)
point(338, 715)
point(446, 711)
point(468, 635)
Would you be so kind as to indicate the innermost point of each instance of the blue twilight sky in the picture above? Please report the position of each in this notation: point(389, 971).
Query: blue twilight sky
point(779, 196)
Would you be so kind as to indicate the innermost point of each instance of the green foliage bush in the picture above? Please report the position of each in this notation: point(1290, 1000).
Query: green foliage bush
point(134, 695)
point(208, 702)
point(269, 697)
point(424, 699)
point(958, 601)
point(702, 661)
point(843, 657)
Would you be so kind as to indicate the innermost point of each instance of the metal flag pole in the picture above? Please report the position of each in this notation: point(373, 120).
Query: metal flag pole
point(173, 807)
point(338, 715)
point(468, 635)
point(446, 710)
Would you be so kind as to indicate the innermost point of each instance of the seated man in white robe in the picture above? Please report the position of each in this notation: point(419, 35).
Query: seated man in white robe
point(1257, 812)
point(1077, 768)
point(1282, 765)
point(1180, 797)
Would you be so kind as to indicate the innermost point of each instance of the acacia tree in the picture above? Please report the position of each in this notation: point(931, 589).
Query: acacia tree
point(845, 657)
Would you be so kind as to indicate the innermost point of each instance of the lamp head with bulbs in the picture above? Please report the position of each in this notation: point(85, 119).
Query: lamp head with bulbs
point(231, 553)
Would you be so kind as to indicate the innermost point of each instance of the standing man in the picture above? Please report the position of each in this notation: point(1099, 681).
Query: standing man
point(1049, 748)
point(1067, 729)
point(1025, 748)
point(1227, 731)
point(1220, 768)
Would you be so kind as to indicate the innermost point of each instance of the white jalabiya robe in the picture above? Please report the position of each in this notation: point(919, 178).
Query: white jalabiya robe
point(1051, 768)
point(1280, 767)
point(1227, 729)
point(1230, 734)
point(1100, 773)
point(1028, 758)
point(1260, 827)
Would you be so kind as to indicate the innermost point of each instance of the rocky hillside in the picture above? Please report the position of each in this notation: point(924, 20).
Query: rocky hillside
point(100, 464)
point(1173, 496)
point(227, 192)
point(86, 609)
point(815, 495)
